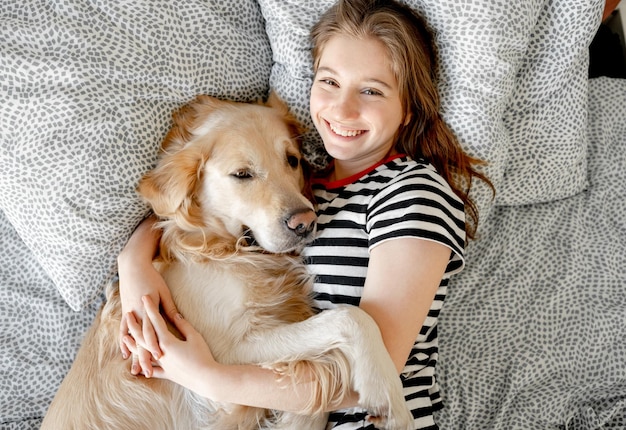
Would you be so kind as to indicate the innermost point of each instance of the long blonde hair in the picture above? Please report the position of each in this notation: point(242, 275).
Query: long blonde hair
point(410, 46)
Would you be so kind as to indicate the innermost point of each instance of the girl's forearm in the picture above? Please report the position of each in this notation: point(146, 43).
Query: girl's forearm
point(142, 245)
point(189, 362)
point(255, 386)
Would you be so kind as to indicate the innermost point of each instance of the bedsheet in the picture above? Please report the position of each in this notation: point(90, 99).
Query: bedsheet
point(532, 333)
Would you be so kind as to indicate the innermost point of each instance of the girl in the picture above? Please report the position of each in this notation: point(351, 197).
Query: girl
point(391, 217)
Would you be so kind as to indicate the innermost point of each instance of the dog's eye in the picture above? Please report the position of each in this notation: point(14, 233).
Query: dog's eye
point(293, 161)
point(242, 174)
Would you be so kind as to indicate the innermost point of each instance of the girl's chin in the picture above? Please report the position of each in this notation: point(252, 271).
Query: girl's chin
point(338, 153)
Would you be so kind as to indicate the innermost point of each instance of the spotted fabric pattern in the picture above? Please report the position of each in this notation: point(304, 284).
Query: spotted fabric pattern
point(546, 119)
point(513, 85)
point(531, 336)
point(532, 333)
point(39, 334)
point(87, 90)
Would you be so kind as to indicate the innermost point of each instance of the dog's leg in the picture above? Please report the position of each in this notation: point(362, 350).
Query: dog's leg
point(288, 421)
point(353, 332)
point(375, 377)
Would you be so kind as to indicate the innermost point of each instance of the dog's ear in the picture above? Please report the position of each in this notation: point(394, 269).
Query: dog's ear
point(186, 119)
point(171, 187)
point(275, 102)
point(295, 128)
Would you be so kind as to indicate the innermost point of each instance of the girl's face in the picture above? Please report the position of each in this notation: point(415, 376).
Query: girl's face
point(355, 103)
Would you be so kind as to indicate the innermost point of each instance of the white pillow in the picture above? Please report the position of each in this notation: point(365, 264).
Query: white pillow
point(87, 90)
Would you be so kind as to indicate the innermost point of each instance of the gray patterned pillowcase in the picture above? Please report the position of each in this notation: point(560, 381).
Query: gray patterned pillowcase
point(513, 85)
point(87, 91)
point(547, 116)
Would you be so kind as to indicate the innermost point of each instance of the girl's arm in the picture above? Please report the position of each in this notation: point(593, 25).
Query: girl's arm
point(190, 363)
point(138, 278)
point(403, 277)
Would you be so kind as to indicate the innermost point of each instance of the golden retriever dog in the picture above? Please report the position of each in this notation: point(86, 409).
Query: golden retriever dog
point(230, 193)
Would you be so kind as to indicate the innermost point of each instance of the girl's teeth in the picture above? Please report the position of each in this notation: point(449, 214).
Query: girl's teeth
point(345, 133)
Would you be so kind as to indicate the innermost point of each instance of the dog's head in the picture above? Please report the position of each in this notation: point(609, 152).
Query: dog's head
point(229, 169)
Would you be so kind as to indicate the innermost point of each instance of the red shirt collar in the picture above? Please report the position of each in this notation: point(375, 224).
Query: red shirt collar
point(350, 179)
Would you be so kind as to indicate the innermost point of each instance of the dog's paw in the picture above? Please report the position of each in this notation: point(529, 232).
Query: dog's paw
point(375, 378)
point(399, 418)
point(391, 414)
point(381, 393)
point(384, 423)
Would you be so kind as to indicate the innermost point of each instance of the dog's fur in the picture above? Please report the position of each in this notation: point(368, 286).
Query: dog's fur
point(229, 192)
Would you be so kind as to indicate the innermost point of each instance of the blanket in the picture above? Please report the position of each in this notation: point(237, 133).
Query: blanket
point(531, 335)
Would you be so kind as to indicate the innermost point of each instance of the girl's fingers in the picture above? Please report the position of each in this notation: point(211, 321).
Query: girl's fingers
point(160, 327)
point(145, 362)
point(134, 329)
point(141, 359)
point(158, 323)
point(159, 373)
point(122, 333)
point(183, 326)
point(150, 338)
point(168, 306)
point(129, 343)
point(143, 334)
point(139, 362)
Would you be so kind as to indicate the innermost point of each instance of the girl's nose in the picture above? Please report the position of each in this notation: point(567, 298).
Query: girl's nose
point(346, 106)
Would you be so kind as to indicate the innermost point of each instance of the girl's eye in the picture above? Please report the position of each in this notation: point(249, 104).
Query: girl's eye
point(328, 82)
point(372, 92)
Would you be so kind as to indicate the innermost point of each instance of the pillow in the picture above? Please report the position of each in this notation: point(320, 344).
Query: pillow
point(87, 93)
point(547, 118)
point(484, 49)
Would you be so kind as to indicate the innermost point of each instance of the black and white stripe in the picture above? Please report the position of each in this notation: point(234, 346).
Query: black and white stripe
point(398, 198)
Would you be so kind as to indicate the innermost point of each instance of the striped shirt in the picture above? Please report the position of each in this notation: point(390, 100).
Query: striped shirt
point(396, 198)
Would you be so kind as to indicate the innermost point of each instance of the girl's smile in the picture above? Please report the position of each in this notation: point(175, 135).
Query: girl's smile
point(337, 129)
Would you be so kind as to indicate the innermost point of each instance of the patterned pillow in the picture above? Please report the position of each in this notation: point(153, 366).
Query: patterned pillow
point(494, 90)
point(547, 117)
point(87, 90)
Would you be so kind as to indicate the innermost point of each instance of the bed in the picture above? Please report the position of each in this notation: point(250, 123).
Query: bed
point(532, 335)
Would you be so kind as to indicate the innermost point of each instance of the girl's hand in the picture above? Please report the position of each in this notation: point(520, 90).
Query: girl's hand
point(138, 278)
point(134, 285)
point(184, 362)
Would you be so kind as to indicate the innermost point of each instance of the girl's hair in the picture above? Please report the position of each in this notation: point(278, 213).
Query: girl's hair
point(410, 46)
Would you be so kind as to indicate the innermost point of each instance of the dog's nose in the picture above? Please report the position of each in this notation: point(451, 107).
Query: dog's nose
point(302, 222)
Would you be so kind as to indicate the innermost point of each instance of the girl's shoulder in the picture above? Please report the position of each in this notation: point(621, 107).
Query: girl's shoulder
point(402, 165)
point(406, 170)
